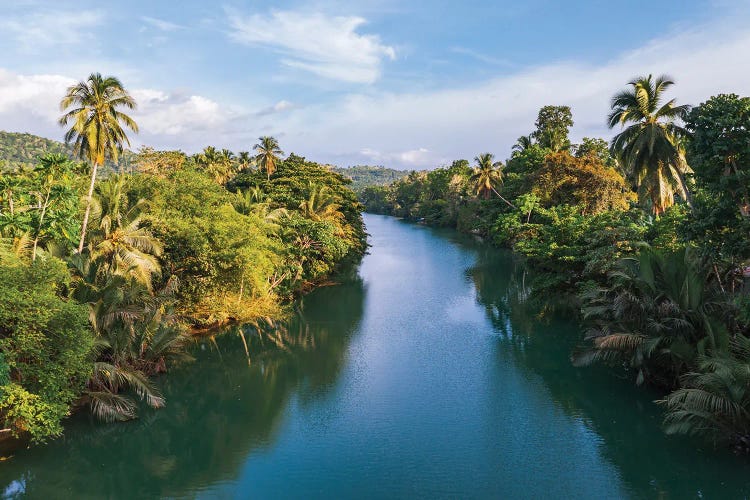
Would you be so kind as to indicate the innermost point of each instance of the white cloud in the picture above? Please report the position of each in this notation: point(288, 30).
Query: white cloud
point(490, 115)
point(30, 103)
point(161, 114)
point(280, 107)
point(161, 24)
point(39, 29)
point(481, 57)
point(411, 130)
point(329, 47)
point(415, 158)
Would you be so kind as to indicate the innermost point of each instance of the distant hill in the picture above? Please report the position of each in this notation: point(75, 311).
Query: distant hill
point(20, 149)
point(363, 176)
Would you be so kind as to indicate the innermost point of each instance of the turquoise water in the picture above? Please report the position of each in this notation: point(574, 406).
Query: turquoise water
point(421, 375)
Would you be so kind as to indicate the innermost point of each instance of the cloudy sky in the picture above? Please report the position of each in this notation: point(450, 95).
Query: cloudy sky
point(407, 84)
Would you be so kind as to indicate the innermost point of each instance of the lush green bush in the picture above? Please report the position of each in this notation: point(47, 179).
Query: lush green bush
point(46, 343)
point(221, 258)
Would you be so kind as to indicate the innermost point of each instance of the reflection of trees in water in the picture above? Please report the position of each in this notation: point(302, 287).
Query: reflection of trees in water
point(502, 285)
point(219, 410)
point(650, 463)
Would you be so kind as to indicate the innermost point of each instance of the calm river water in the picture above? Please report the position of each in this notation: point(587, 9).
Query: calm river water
point(422, 375)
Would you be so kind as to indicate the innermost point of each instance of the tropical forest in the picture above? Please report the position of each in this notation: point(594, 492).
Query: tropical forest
point(211, 300)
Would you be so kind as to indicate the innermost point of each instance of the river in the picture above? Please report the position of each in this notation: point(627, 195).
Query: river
point(421, 375)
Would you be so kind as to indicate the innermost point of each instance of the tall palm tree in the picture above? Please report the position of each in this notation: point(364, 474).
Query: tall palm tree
point(268, 154)
point(486, 175)
point(98, 126)
point(649, 146)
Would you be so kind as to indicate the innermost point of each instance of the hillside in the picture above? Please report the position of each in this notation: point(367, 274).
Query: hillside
point(23, 149)
point(364, 175)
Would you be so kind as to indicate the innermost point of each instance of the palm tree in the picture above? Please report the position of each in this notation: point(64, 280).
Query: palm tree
point(658, 312)
point(320, 205)
point(486, 174)
point(218, 164)
point(97, 126)
point(268, 154)
point(119, 240)
point(244, 160)
point(649, 148)
point(523, 143)
point(136, 336)
point(207, 156)
point(714, 401)
point(10, 182)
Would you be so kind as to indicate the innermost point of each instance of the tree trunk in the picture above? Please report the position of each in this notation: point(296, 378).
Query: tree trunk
point(501, 197)
point(39, 227)
point(88, 207)
point(688, 194)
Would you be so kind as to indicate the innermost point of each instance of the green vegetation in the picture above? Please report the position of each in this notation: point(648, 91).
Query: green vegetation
point(104, 276)
point(364, 176)
point(19, 150)
point(646, 237)
point(23, 150)
point(46, 344)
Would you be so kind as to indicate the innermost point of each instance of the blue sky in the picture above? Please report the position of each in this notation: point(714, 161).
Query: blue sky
point(405, 84)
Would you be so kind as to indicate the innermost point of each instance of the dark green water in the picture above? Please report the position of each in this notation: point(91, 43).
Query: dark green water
point(423, 376)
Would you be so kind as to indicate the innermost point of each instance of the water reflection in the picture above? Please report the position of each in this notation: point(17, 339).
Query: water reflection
point(623, 418)
point(220, 410)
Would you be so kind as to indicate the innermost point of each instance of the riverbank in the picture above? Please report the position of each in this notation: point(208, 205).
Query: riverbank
point(169, 250)
point(423, 368)
point(644, 244)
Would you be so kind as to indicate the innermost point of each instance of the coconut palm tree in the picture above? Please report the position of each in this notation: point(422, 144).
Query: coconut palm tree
point(244, 160)
point(320, 205)
point(98, 126)
point(268, 154)
point(523, 143)
point(10, 183)
point(252, 202)
point(218, 164)
point(486, 175)
point(119, 240)
point(649, 145)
